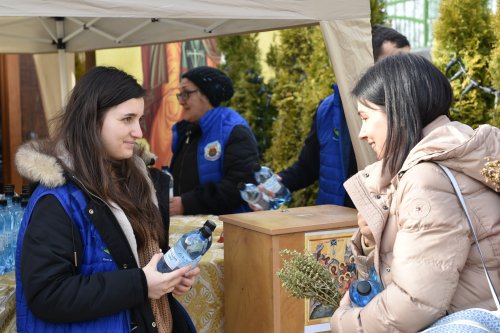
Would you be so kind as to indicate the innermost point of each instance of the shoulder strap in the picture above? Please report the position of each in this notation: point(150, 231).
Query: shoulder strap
point(462, 202)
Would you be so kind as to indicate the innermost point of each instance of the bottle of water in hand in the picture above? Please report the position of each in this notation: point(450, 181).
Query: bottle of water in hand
point(266, 177)
point(361, 292)
point(188, 250)
point(251, 194)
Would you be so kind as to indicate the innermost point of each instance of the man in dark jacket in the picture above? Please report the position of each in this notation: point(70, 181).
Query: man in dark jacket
point(213, 147)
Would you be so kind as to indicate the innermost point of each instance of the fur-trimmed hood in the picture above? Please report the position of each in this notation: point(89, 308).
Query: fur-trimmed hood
point(36, 166)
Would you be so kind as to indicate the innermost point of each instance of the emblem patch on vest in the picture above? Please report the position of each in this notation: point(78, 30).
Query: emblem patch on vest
point(213, 151)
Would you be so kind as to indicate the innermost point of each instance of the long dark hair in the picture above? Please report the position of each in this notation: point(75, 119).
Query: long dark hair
point(414, 93)
point(79, 130)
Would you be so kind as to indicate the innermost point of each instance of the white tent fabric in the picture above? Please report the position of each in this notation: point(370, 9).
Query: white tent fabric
point(49, 26)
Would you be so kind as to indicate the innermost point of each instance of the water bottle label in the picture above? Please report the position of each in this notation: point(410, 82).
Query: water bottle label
point(272, 184)
point(172, 259)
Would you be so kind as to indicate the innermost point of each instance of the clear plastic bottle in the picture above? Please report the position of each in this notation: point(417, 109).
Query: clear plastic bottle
point(164, 169)
point(8, 236)
point(361, 292)
point(188, 250)
point(251, 194)
point(266, 177)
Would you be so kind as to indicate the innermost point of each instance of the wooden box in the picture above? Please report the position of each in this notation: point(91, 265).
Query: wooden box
point(254, 300)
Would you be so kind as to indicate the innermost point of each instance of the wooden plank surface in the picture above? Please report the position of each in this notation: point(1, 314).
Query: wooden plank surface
point(300, 219)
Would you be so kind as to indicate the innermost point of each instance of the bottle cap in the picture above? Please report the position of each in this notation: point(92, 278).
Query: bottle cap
point(9, 189)
point(208, 228)
point(363, 287)
point(211, 225)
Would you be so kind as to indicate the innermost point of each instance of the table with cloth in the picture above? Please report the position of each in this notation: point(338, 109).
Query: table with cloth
point(205, 301)
point(8, 303)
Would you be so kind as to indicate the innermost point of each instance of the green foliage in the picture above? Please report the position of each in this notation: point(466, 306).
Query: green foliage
point(378, 14)
point(252, 96)
point(304, 277)
point(303, 77)
point(495, 65)
point(463, 31)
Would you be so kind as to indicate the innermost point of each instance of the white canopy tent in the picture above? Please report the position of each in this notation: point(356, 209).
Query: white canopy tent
point(49, 26)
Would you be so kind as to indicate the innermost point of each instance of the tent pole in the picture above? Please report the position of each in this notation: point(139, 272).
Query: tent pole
point(63, 77)
point(61, 53)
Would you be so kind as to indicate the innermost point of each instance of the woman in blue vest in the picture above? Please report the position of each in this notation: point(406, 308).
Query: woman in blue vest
point(213, 147)
point(92, 233)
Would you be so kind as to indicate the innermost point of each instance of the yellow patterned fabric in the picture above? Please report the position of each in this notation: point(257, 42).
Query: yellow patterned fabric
point(205, 301)
point(8, 303)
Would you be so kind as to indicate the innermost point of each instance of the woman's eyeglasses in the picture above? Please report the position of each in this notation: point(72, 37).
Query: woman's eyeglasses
point(184, 95)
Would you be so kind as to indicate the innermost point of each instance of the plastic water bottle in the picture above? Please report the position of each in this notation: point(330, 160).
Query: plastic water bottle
point(9, 191)
point(7, 235)
point(164, 169)
point(188, 250)
point(361, 292)
point(266, 177)
point(251, 194)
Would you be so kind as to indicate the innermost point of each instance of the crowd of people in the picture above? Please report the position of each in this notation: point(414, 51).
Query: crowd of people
point(107, 212)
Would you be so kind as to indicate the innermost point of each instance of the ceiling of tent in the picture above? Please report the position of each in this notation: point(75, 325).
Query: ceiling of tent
point(29, 26)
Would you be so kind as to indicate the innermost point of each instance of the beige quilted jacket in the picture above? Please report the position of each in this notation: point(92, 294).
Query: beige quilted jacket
point(424, 251)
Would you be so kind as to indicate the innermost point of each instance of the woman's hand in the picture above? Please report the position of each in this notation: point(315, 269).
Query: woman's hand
point(186, 282)
point(365, 231)
point(160, 284)
point(175, 206)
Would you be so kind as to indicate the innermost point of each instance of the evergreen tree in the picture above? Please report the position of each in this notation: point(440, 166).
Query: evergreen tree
point(378, 14)
point(495, 67)
point(303, 77)
point(252, 96)
point(463, 31)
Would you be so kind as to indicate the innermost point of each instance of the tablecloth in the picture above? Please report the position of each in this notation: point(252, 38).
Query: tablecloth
point(205, 301)
point(8, 303)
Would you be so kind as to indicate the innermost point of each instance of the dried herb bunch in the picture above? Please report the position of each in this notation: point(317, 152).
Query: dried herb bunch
point(491, 172)
point(304, 277)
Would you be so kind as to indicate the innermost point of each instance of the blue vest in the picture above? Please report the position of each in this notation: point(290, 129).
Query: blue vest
point(216, 127)
point(335, 147)
point(94, 259)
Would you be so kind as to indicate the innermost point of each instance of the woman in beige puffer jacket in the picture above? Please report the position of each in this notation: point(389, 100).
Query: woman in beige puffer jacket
point(412, 227)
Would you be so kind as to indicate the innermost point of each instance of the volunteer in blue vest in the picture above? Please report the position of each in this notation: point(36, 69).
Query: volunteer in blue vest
point(91, 235)
point(327, 154)
point(213, 147)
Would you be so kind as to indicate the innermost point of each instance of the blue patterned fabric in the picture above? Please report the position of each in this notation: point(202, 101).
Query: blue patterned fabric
point(467, 321)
